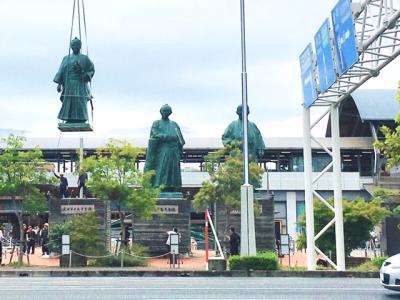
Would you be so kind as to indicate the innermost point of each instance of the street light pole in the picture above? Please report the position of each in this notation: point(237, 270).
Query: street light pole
point(247, 230)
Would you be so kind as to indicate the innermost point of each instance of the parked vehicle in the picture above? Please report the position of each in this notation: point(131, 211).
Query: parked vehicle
point(390, 273)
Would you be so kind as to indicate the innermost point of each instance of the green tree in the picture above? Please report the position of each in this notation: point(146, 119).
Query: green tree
point(390, 146)
point(21, 172)
point(85, 235)
point(114, 176)
point(359, 219)
point(388, 198)
point(225, 167)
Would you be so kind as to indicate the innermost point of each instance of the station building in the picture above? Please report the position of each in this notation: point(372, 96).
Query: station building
point(362, 164)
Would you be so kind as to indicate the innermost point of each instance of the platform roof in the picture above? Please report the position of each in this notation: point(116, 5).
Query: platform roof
point(374, 105)
point(191, 143)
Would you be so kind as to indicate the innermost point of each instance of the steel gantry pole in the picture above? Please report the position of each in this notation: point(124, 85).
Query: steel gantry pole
point(337, 188)
point(309, 202)
point(247, 229)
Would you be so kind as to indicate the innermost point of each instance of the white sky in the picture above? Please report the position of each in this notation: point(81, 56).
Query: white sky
point(150, 52)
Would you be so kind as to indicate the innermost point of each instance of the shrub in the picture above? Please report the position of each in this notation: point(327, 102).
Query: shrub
point(85, 236)
point(370, 266)
point(378, 261)
point(262, 261)
point(55, 233)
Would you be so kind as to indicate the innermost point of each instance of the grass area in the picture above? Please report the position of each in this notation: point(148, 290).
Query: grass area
point(370, 266)
point(292, 268)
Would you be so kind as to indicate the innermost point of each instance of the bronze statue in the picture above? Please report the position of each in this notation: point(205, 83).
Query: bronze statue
point(73, 76)
point(234, 132)
point(165, 151)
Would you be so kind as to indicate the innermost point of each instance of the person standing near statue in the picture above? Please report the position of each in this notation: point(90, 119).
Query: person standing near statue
point(63, 185)
point(164, 152)
point(82, 183)
point(234, 132)
point(73, 76)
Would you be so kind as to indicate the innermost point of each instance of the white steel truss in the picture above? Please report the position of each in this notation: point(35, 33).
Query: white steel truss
point(377, 25)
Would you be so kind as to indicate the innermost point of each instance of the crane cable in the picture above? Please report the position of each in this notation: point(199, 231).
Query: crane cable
point(76, 6)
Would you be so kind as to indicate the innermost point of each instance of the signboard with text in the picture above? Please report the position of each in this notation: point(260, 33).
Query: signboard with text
point(76, 209)
point(168, 209)
point(324, 53)
point(308, 76)
point(344, 36)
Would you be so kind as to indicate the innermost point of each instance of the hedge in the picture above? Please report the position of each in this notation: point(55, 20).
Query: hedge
point(262, 261)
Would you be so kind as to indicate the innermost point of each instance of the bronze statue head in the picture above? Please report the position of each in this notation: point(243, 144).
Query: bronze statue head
point(239, 111)
point(165, 111)
point(76, 45)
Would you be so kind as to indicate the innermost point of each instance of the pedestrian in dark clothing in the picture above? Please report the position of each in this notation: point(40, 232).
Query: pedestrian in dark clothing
point(31, 239)
point(1, 246)
point(44, 235)
point(63, 185)
point(82, 183)
point(21, 237)
point(234, 241)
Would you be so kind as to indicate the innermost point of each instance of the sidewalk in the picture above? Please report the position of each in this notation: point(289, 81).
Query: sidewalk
point(196, 262)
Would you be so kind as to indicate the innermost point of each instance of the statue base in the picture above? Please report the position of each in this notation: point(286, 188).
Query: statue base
point(174, 213)
point(74, 127)
point(264, 223)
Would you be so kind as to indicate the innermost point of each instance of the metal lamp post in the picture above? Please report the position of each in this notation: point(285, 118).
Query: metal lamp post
point(248, 238)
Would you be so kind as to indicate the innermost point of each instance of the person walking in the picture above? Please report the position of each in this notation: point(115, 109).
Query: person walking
point(44, 235)
point(31, 238)
point(234, 241)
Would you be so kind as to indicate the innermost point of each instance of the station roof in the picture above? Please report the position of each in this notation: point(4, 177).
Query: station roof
point(365, 109)
point(191, 143)
point(374, 105)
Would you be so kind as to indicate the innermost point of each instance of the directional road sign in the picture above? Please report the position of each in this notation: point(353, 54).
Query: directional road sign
point(325, 63)
point(345, 36)
point(308, 76)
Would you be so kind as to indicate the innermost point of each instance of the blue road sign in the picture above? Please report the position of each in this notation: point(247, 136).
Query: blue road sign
point(308, 76)
point(323, 47)
point(345, 36)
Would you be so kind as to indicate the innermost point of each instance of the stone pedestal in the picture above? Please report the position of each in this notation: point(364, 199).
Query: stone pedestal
point(264, 223)
point(216, 264)
point(175, 212)
point(62, 210)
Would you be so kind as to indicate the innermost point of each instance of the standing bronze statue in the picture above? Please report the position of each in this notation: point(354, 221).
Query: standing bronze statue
point(165, 151)
point(73, 76)
point(234, 132)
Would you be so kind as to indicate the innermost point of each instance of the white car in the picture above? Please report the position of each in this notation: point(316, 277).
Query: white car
point(390, 273)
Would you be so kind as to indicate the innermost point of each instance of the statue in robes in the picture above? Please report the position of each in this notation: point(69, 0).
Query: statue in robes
point(234, 132)
point(165, 151)
point(73, 76)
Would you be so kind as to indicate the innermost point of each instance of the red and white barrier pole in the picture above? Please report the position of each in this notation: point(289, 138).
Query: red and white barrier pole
point(206, 232)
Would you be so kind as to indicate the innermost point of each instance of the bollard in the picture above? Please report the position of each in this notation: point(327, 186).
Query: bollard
point(122, 258)
point(70, 259)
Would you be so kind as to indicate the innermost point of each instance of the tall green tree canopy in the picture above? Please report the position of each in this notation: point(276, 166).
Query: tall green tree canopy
point(114, 176)
point(359, 219)
point(21, 173)
point(390, 146)
point(225, 167)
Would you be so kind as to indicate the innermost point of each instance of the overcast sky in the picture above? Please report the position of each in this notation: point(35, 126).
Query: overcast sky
point(150, 52)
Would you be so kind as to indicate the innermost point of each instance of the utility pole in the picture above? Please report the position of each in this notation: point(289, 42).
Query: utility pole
point(248, 236)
